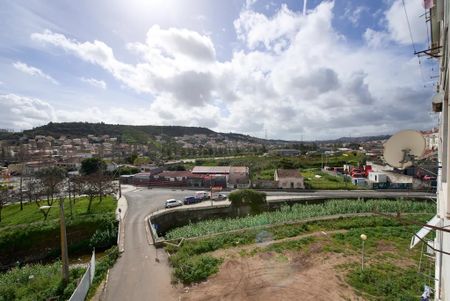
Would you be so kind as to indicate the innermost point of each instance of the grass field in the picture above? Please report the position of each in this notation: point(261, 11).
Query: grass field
point(12, 215)
point(325, 181)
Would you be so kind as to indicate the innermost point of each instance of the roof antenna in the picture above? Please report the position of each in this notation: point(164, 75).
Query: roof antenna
point(304, 7)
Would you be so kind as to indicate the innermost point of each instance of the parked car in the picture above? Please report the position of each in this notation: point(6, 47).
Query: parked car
point(173, 203)
point(201, 195)
point(190, 200)
point(222, 196)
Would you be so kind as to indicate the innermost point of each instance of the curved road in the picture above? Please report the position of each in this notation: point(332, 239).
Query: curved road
point(137, 275)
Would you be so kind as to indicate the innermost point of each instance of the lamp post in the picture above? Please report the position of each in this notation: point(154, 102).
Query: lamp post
point(63, 236)
point(363, 239)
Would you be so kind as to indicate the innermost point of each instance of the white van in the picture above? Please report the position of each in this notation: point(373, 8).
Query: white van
point(201, 195)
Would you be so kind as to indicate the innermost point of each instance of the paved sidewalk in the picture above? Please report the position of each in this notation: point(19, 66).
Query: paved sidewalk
point(121, 211)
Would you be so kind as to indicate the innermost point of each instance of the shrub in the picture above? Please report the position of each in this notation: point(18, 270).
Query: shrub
point(255, 199)
point(105, 235)
point(195, 269)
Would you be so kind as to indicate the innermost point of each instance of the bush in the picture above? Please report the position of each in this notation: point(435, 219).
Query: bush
point(255, 199)
point(105, 235)
point(195, 269)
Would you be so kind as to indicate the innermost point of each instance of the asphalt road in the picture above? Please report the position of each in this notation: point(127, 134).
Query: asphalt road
point(137, 275)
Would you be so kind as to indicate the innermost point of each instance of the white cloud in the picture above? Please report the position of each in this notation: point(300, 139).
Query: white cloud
point(94, 82)
point(396, 27)
point(249, 3)
point(295, 75)
point(354, 14)
point(20, 112)
point(256, 29)
point(33, 71)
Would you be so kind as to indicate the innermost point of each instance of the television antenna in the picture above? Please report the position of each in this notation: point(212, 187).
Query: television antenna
point(403, 148)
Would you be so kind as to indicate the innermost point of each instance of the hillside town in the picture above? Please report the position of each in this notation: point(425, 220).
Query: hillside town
point(33, 154)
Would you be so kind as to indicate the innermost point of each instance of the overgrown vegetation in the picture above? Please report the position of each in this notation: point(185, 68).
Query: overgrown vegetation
point(299, 212)
point(102, 267)
point(377, 228)
point(386, 281)
point(25, 237)
point(248, 197)
point(37, 282)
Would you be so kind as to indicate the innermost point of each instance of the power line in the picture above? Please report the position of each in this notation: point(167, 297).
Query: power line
point(412, 41)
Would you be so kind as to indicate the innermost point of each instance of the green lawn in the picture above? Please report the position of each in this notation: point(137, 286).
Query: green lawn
point(12, 215)
point(326, 181)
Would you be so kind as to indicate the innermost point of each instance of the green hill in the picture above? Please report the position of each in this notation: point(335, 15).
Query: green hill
point(126, 133)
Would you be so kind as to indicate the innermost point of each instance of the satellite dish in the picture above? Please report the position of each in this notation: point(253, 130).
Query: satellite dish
point(403, 148)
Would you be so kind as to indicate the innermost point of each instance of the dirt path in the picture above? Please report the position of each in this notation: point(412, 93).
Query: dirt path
point(299, 275)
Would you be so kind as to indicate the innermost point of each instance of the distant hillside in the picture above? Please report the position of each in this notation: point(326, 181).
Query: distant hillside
point(144, 133)
point(128, 133)
point(361, 139)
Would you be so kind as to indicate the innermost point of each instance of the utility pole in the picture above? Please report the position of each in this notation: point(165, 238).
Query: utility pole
point(64, 252)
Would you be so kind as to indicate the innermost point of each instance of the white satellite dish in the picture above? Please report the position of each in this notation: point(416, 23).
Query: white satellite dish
point(403, 148)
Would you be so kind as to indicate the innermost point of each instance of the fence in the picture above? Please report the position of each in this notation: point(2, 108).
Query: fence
point(85, 283)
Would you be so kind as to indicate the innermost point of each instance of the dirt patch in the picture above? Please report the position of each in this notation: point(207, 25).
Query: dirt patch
point(274, 277)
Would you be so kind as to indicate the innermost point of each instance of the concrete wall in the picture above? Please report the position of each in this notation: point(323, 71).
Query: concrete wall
point(286, 183)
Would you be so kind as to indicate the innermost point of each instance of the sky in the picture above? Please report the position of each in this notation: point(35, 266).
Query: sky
point(259, 67)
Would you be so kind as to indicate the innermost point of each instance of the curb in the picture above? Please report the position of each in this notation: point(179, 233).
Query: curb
point(121, 218)
point(147, 230)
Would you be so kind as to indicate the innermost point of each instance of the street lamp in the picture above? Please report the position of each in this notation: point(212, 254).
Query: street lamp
point(63, 236)
point(363, 239)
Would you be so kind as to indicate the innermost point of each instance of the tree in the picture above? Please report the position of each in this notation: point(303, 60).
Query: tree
point(4, 195)
point(97, 185)
point(33, 190)
point(141, 161)
point(51, 179)
point(176, 167)
point(92, 165)
point(104, 185)
point(22, 158)
point(248, 197)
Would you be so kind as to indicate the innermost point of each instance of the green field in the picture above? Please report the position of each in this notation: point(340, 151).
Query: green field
point(316, 179)
point(298, 212)
point(12, 215)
